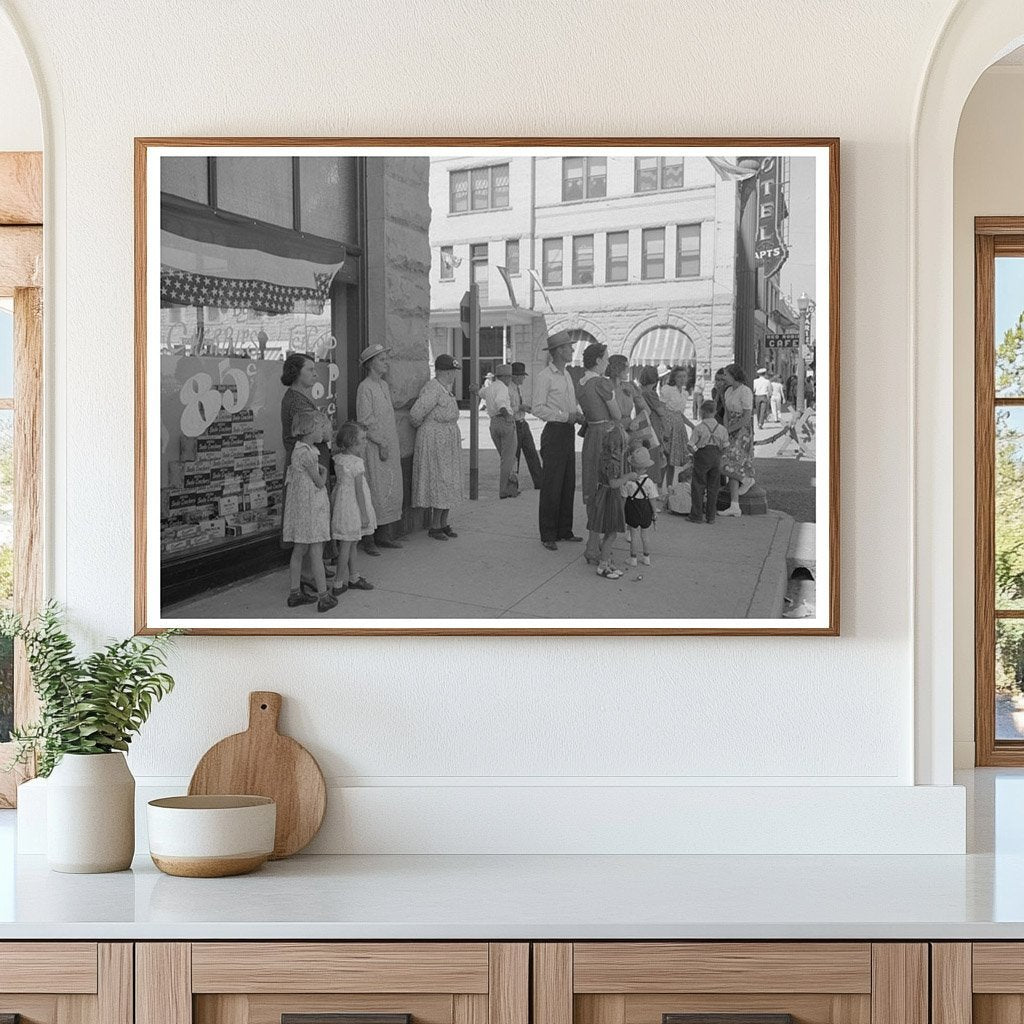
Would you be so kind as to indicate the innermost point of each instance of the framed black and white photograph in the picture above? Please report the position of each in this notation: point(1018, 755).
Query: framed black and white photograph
point(454, 386)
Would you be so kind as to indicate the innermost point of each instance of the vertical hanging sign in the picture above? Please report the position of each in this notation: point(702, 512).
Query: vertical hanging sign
point(770, 250)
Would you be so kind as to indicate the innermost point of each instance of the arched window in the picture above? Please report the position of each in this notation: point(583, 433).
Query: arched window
point(663, 348)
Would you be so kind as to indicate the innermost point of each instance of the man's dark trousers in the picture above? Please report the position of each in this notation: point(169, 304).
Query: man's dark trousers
point(705, 480)
point(558, 480)
point(525, 446)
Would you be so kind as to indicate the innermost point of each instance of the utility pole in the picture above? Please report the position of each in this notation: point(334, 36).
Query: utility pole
point(471, 302)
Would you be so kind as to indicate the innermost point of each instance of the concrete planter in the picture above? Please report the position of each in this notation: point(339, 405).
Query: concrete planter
point(90, 819)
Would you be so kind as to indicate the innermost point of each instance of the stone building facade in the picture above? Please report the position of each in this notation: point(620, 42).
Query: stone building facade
point(636, 252)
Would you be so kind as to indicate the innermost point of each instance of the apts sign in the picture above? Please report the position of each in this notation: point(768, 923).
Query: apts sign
point(770, 250)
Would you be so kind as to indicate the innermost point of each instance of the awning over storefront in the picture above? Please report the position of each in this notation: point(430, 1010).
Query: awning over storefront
point(490, 316)
point(209, 258)
point(668, 346)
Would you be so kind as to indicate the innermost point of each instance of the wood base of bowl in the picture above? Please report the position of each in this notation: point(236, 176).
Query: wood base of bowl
point(209, 867)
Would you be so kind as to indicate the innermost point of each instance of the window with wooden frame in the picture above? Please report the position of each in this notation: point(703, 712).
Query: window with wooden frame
point(999, 490)
point(21, 366)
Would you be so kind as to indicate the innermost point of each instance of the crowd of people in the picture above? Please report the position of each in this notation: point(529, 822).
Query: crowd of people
point(349, 497)
point(643, 442)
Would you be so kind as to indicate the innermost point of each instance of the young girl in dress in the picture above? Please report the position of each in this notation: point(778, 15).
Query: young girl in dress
point(607, 512)
point(307, 510)
point(352, 516)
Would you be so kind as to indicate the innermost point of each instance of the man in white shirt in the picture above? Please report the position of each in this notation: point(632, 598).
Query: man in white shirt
point(503, 430)
point(554, 401)
point(762, 395)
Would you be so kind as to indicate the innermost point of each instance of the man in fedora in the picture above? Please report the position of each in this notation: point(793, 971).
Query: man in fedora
point(524, 436)
point(503, 429)
point(554, 401)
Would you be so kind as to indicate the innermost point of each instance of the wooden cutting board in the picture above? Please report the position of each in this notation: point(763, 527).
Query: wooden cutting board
point(262, 762)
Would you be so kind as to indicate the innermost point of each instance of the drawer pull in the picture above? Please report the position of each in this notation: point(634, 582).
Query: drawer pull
point(339, 1018)
point(727, 1018)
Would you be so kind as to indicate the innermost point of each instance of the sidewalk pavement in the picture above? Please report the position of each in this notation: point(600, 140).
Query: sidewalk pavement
point(496, 568)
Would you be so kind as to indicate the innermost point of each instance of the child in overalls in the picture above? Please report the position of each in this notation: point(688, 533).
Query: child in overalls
point(640, 494)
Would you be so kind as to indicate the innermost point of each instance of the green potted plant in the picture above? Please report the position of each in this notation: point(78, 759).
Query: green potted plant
point(90, 708)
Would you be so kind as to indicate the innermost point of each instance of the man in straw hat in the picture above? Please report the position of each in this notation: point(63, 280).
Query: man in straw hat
point(554, 401)
point(503, 429)
point(376, 411)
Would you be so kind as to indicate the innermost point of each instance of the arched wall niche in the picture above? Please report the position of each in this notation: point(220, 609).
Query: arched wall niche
point(975, 35)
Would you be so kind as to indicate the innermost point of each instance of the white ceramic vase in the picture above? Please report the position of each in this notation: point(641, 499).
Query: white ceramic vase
point(90, 814)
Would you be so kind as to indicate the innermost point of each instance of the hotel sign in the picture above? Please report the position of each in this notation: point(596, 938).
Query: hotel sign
point(770, 251)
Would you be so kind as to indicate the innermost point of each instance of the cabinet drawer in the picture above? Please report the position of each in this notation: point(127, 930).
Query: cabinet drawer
point(635, 967)
point(340, 967)
point(66, 982)
point(332, 983)
point(65, 967)
point(730, 983)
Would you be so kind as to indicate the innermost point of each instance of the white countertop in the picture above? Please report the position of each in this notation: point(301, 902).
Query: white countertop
point(977, 896)
point(517, 897)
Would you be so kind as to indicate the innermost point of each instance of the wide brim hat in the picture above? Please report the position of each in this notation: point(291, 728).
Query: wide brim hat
point(519, 370)
point(558, 339)
point(371, 353)
point(641, 458)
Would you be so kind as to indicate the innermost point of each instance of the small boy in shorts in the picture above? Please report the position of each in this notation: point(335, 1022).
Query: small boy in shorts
point(708, 440)
point(640, 494)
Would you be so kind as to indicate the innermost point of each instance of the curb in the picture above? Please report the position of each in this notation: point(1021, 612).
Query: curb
point(768, 599)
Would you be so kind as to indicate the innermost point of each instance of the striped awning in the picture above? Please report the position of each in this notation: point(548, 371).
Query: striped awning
point(667, 346)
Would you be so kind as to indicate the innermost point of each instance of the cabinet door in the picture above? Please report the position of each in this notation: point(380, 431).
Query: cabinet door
point(66, 983)
point(332, 983)
point(981, 982)
point(730, 983)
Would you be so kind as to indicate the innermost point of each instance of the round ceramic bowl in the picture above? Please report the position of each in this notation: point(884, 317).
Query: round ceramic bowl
point(211, 836)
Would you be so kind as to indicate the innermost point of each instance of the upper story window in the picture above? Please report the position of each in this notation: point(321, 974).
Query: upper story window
point(479, 188)
point(688, 250)
point(512, 256)
point(551, 258)
point(618, 256)
point(652, 173)
point(583, 259)
point(447, 263)
point(652, 253)
point(584, 177)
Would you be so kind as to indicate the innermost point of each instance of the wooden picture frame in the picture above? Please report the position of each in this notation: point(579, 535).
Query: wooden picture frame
point(994, 237)
point(822, 345)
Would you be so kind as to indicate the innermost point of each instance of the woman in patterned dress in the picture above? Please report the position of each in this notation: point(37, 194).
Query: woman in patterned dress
point(437, 462)
point(376, 411)
point(738, 458)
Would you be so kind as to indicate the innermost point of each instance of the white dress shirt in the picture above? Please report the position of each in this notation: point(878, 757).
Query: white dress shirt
point(554, 396)
point(496, 397)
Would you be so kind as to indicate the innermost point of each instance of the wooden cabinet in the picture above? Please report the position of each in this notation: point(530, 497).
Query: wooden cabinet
point(309, 982)
point(66, 982)
point(977, 983)
point(758, 982)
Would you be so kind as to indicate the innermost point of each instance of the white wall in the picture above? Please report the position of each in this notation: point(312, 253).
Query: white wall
point(431, 716)
point(21, 127)
point(987, 182)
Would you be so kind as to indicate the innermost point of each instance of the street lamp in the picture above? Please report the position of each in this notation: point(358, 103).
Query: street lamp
point(806, 306)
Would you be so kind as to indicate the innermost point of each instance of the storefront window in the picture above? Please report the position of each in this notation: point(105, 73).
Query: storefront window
point(222, 472)
point(185, 176)
point(257, 186)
